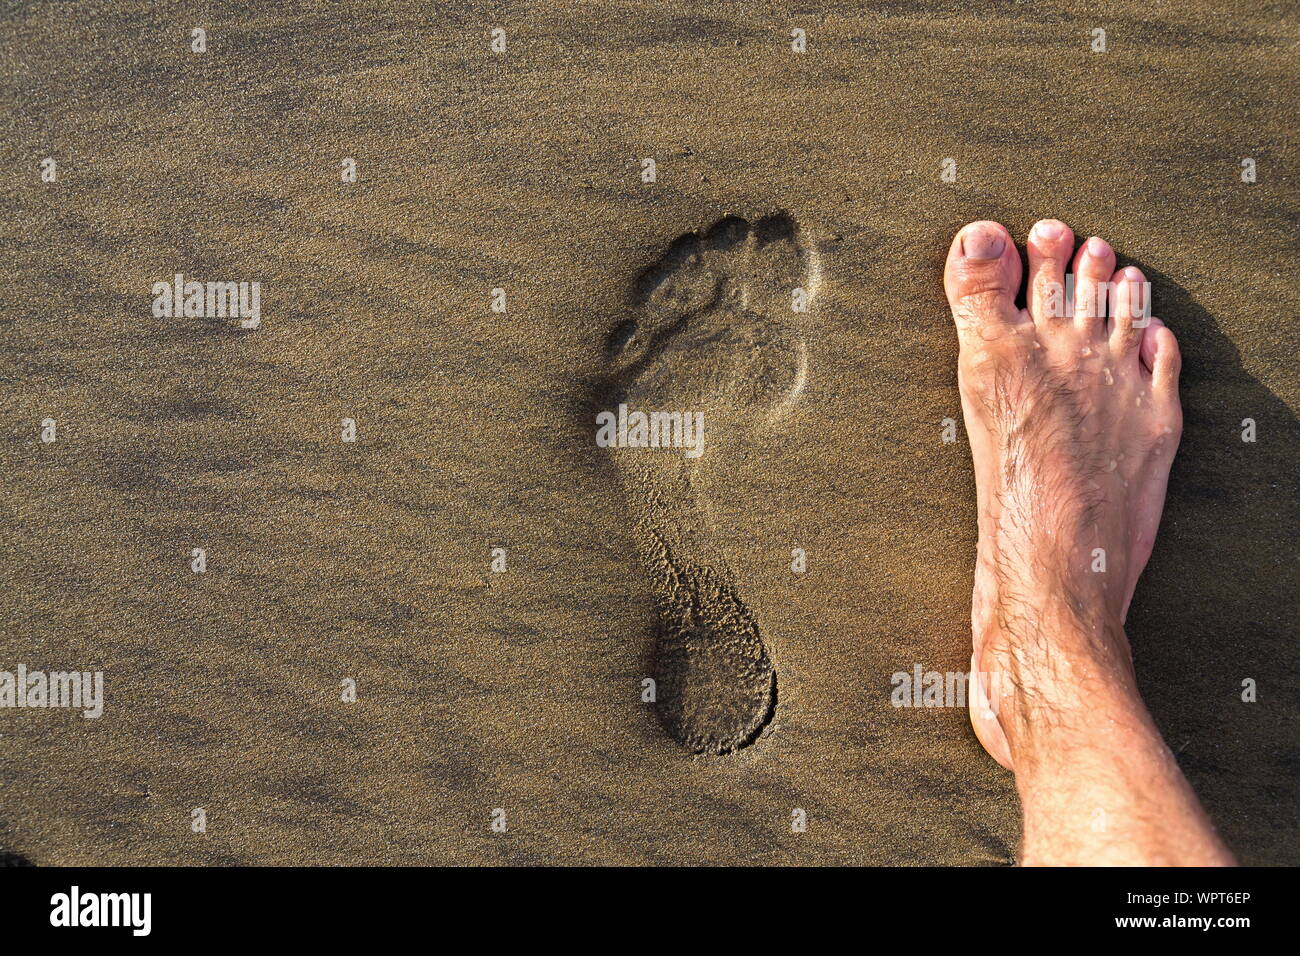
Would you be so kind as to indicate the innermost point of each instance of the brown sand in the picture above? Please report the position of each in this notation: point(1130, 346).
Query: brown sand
point(371, 560)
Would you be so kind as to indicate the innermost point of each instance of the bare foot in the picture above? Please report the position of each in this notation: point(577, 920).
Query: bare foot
point(1073, 419)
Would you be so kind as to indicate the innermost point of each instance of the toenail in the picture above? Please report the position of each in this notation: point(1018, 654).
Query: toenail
point(982, 243)
point(1098, 248)
point(1049, 229)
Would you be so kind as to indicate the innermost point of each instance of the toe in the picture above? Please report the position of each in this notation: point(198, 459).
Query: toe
point(1147, 343)
point(1050, 245)
point(1131, 309)
point(679, 282)
point(780, 275)
point(1093, 266)
point(1160, 354)
point(725, 234)
point(981, 279)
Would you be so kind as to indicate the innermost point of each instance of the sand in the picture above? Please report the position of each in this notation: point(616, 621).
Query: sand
point(371, 560)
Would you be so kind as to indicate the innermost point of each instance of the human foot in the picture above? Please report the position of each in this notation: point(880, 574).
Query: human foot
point(715, 334)
point(1073, 419)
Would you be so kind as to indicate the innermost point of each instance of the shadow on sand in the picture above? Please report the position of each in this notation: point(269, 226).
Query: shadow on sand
point(1216, 608)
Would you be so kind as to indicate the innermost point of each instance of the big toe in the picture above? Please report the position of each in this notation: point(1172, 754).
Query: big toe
point(981, 279)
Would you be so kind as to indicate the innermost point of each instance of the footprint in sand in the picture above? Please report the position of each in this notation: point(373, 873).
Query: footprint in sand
point(716, 332)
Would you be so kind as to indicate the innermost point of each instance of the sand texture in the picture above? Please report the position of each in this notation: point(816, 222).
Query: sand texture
point(371, 560)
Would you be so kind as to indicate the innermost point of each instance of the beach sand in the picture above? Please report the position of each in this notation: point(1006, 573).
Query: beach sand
point(371, 561)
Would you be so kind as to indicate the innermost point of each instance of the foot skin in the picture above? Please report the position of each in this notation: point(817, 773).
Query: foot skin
point(1073, 419)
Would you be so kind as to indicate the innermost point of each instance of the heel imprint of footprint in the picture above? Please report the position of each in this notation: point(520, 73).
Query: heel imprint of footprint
point(717, 331)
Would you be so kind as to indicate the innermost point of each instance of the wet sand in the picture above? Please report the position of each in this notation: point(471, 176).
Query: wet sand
point(372, 560)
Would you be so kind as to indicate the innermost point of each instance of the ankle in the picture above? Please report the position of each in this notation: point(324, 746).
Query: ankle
point(1051, 674)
